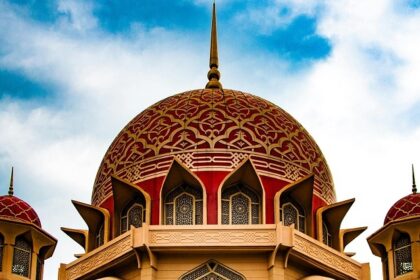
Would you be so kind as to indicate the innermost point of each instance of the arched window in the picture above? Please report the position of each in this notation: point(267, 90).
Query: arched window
point(100, 236)
point(212, 270)
point(326, 235)
point(402, 254)
point(22, 257)
point(184, 206)
point(292, 213)
point(133, 214)
point(1, 251)
point(240, 205)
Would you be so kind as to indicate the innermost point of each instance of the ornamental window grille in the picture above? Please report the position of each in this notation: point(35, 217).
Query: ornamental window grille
point(402, 254)
point(100, 236)
point(184, 206)
point(22, 257)
point(240, 206)
point(292, 213)
point(212, 270)
point(1, 251)
point(326, 235)
point(133, 214)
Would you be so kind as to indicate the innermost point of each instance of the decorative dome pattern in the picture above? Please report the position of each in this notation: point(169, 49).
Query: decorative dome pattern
point(213, 130)
point(15, 209)
point(405, 207)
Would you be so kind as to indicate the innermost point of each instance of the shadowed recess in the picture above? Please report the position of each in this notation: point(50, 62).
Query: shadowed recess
point(298, 41)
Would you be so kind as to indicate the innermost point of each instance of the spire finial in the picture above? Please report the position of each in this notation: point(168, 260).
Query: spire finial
point(11, 183)
point(414, 180)
point(214, 75)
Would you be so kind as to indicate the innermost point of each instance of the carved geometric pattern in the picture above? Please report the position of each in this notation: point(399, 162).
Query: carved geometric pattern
point(22, 257)
point(212, 237)
point(213, 130)
point(184, 206)
point(240, 205)
point(106, 255)
point(406, 206)
point(212, 271)
point(15, 209)
point(402, 255)
point(325, 256)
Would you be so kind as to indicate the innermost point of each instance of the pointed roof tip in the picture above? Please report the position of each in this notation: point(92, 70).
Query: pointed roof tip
point(414, 188)
point(214, 75)
point(11, 183)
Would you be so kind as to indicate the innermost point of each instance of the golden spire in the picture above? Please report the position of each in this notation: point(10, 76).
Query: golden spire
point(11, 183)
point(414, 180)
point(214, 75)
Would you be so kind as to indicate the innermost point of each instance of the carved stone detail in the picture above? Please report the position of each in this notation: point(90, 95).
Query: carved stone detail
point(328, 257)
point(215, 237)
point(97, 259)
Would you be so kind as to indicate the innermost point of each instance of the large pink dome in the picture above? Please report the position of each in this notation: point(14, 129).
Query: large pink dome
point(213, 130)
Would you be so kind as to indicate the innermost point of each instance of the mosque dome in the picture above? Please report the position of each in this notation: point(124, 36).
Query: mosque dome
point(213, 130)
point(15, 209)
point(405, 207)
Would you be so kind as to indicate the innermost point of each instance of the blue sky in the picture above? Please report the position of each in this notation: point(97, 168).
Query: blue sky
point(74, 72)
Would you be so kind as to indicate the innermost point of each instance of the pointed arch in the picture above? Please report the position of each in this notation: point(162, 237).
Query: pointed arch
point(22, 255)
point(294, 204)
point(401, 245)
point(183, 198)
point(132, 206)
point(241, 193)
point(212, 270)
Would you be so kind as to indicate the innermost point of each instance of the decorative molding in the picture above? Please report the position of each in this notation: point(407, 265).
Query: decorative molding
point(212, 237)
point(99, 257)
point(328, 257)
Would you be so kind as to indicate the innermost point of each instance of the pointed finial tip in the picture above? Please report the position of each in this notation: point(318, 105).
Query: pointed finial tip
point(214, 74)
point(414, 188)
point(11, 183)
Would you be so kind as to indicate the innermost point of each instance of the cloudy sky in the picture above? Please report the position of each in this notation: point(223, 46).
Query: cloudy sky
point(73, 73)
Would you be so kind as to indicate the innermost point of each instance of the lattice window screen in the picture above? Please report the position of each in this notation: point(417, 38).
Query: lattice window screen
point(184, 206)
point(290, 214)
point(240, 205)
point(212, 271)
point(402, 255)
point(22, 257)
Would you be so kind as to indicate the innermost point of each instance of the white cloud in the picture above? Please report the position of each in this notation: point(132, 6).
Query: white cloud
point(357, 103)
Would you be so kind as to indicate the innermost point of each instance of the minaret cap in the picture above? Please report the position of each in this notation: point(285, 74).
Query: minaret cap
point(11, 183)
point(214, 75)
point(414, 180)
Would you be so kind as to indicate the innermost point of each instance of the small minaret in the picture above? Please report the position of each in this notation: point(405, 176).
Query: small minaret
point(24, 245)
point(397, 242)
point(214, 75)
